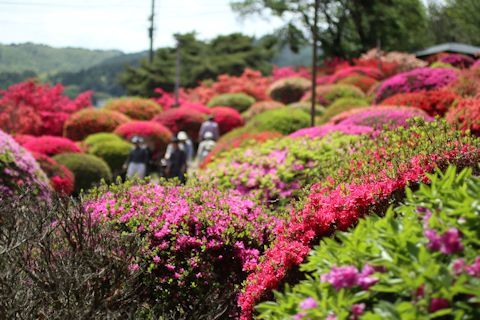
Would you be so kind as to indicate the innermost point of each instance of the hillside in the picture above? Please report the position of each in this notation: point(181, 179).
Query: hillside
point(39, 58)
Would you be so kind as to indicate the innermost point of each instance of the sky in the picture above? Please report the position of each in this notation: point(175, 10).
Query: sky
point(120, 24)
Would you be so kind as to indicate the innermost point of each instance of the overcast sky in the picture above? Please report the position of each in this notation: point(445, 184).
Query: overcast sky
point(119, 24)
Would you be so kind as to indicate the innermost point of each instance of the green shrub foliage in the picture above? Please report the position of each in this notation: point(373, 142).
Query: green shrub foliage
point(115, 153)
point(239, 101)
point(283, 120)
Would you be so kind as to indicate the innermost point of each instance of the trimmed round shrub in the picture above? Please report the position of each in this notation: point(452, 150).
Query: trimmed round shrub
point(378, 117)
point(115, 153)
point(259, 107)
point(135, 108)
point(239, 101)
point(88, 169)
point(374, 269)
point(435, 102)
point(182, 119)
point(19, 170)
point(100, 137)
point(242, 139)
point(340, 106)
point(289, 90)
point(422, 79)
point(365, 83)
point(322, 131)
point(86, 122)
point(196, 107)
point(61, 178)
point(283, 120)
point(439, 64)
point(156, 135)
point(50, 145)
point(328, 94)
point(305, 107)
point(458, 60)
point(199, 241)
point(466, 115)
point(276, 171)
point(227, 119)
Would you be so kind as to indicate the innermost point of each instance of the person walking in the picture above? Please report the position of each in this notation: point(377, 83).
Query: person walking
point(186, 145)
point(137, 160)
point(205, 147)
point(177, 162)
point(209, 126)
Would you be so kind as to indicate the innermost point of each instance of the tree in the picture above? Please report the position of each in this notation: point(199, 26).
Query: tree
point(348, 27)
point(200, 60)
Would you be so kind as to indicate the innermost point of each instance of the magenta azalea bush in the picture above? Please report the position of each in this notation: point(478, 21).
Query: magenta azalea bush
point(199, 238)
point(322, 131)
point(19, 170)
point(421, 261)
point(379, 117)
point(416, 80)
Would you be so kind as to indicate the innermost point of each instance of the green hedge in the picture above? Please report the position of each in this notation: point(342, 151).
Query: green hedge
point(115, 153)
point(284, 120)
point(239, 101)
point(100, 137)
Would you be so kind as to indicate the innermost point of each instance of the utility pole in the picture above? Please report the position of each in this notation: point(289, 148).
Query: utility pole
point(314, 63)
point(150, 31)
point(177, 74)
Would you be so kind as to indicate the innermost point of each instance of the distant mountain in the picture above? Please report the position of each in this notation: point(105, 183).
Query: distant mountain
point(39, 58)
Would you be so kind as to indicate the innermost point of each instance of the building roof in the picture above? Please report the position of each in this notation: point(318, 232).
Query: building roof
point(449, 47)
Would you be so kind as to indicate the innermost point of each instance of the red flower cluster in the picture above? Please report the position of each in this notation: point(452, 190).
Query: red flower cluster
point(356, 71)
point(134, 107)
point(435, 102)
point(227, 119)
point(61, 178)
point(37, 109)
point(50, 145)
point(365, 83)
point(154, 133)
point(182, 119)
point(86, 122)
point(466, 115)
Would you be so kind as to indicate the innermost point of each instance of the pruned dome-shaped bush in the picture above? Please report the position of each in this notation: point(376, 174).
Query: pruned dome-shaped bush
point(51, 145)
point(289, 90)
point(261, 106)
point(61, 178)
point(227, 119)
point(458, 60)
point(19, 170)
point(283, 120)
point(435, 102)
point(328, 94)
point(239, 101)
point(100, 137)
point(86, 122)
point(378, 117)
point(341, 105)
point(306, 106)
point(156, 135)
point(199, 241)
point(365, 83)
point(114, 153)
point(135, 108)
point(88, 169)
point(422, 79)
point(181, 119)
point(466, 115)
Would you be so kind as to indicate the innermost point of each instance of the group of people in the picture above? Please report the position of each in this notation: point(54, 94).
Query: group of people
point(178, 157)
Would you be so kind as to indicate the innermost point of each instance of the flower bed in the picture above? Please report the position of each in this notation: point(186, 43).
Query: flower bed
point(396, 266)
point(134, 107)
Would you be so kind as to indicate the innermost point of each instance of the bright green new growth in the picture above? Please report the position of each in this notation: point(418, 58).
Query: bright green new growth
point(101, 137)
point(284, 120)
point(239, 101)
point(410, 275)
point(342, 105)
point(115, 153)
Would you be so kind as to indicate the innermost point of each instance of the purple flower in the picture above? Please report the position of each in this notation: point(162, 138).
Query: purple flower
point(357, 310)
point(474, 269)
point(438, 304)
point(342, 277)
point(451, 241)
point(434, 243)
point(458, 266)
point(299, 316)
point(331, 316)
point(308, 303)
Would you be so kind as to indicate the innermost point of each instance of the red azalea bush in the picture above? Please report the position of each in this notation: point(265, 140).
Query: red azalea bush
point(182, 119)
point(23, 139)
point(259, 107)
point(289, 90)
point(379, 117)
point(154, 133)
point(401, 60)
point(458, 60)
point(349, 71)
point(38, 109)
point(290, 72)
point(467, 84)
point(61, 178)
point(422, 79)
point(197, 107)
point(466, 115)
point(435, 102)
point(227, 118)
point(322, 131)
point(86, 122)
point(362, 181)
point(327, 94)
point(50, 145)
point(135, 108)
point(365, 83)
